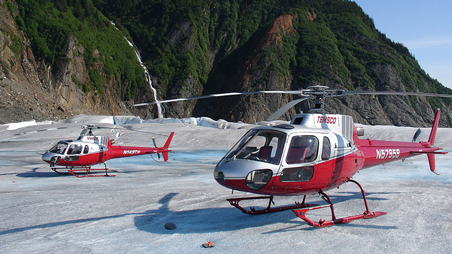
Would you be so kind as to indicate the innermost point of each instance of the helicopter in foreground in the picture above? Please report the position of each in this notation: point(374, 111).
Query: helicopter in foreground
point(316, 152)
point(77, 156)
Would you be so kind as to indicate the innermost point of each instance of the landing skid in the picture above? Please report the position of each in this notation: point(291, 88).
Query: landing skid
point(85, 171)
point(253, 211)
point(56, 171)
point(334, 221)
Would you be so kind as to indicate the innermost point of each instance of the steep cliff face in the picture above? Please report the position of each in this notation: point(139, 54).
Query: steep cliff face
point(251, 68)
point(23, 96)
point(259, 46)
point(32, 89)
point(76, 62)
point(263, 65)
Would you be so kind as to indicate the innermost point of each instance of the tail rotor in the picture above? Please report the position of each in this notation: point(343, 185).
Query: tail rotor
point(164, 150)
point(155, 145)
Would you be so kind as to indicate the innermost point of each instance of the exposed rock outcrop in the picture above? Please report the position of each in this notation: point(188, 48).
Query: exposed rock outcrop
point(31, 89)
point(215, 47)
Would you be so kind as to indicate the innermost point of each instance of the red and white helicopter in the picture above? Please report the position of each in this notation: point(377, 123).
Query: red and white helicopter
point(316, 152)
point(77, 156)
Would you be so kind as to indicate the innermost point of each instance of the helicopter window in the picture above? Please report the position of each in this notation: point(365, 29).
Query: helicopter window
point(326, 150)
point(263, 145)
point(72, 158)
point(241, 143)
point(298, 174)
point(302, 149)
point(75, 149)
point(86, 149)
point(59, 148)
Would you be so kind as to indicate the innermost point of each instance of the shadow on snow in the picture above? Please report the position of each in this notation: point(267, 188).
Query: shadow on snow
point(209, 220)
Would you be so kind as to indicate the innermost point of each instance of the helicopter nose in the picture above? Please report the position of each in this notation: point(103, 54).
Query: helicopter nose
point(226, 169)
point(46, 157)
point(242, 175)
point(229, 174)
point(50, 158)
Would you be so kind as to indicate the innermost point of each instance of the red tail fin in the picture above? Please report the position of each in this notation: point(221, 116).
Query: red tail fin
point(166, 146)
point(431, 139)
point(168, 141)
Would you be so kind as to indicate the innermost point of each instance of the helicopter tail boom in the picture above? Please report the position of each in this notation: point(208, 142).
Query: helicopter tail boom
point(378, 152)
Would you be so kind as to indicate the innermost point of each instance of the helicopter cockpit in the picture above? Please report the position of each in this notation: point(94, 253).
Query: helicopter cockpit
point(267, 146)
point(69, 148)
point(290, 153)
point(260, 145)
point(59, 148)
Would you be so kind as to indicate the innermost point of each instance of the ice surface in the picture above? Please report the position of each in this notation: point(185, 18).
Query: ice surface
point(43, 212)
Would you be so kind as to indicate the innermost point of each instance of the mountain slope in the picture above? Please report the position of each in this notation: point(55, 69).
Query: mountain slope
point(60, 59)
point(201, 47)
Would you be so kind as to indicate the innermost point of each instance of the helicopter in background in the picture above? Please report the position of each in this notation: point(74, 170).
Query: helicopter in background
point(315, 153)
point(77, 156)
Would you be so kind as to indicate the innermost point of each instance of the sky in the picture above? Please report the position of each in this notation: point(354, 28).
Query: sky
point(424, 27)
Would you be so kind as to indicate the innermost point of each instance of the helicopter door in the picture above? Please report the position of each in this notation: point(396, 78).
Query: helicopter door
point(93, 154)
point(303, 149)
point(74, 152)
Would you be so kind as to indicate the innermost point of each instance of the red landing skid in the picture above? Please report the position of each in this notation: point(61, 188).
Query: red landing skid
point(334, 221)
point(86, 171)
point(269, 209)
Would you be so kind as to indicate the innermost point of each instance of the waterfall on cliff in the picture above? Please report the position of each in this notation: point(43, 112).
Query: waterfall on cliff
point(146, 74)
point(148, 78)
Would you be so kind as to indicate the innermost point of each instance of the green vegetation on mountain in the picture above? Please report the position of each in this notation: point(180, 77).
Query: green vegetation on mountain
point(50, 23)
point(339, 40)
point(194, 47)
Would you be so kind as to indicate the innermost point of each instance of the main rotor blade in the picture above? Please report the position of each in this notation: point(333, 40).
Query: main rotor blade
point(217, 95)
point(396, 93)
point(286, 107)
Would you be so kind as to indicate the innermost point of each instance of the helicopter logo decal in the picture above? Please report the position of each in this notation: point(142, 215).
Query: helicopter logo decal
point(387, 153)
point(132, 152)
point(326, 119)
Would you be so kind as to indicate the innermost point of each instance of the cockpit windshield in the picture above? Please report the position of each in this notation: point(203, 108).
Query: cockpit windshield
point(260, 145)
point(59, 148)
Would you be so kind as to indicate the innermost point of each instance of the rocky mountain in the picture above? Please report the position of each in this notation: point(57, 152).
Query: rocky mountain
point(79, 63)
point(32, 87)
